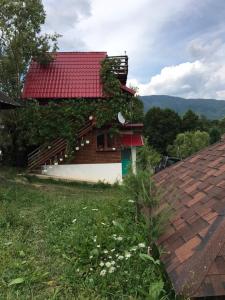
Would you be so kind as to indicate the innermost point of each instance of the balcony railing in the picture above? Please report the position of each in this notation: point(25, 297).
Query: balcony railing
point(122, 70)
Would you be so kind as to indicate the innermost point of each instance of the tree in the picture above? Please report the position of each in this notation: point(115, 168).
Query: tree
point(190, 121)
point(161, 127)
point(188, 143)
point(147, 158)
point(222, 125)
point(214, 135)
point(20, 40)
point(204, 123)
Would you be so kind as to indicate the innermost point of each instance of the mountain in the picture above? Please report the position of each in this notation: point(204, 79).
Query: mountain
point(211, 108)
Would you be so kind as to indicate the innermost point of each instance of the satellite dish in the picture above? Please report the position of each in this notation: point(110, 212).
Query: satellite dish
point(121, 118)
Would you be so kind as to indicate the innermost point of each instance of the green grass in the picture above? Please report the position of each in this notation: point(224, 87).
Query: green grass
point(55, 238)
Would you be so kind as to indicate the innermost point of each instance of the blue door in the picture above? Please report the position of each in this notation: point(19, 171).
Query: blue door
point(126, 160)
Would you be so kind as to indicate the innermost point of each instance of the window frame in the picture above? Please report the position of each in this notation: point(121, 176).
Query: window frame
point(105, 133)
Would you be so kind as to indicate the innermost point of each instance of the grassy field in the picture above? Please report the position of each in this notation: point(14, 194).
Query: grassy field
point(72, 241)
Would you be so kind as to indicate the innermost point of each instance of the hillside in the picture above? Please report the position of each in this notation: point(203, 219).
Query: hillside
point(211, 108)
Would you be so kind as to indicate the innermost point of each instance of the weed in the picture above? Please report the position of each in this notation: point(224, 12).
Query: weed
point(73, 241)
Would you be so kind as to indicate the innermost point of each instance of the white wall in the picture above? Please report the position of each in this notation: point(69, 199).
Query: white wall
point(109, 173)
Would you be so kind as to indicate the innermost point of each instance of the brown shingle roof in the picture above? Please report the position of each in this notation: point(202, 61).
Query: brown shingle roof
point(194, 241)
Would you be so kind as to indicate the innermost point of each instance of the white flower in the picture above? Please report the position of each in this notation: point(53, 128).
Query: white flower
point(101, 264)
point(127, 255)
point(95, 239)
point(112, 250)
point(117, 255)
point(85, 207)
point(74, 220)
point(131, 201)
point(78, 270)
point(95, 209)
point(120, 257)
point(119, 238)
point(133, 248)
point(103, 272)
point(98, 246)
point(112, 269)
point(91, 257)
point(108, 264)
point(91, 269)
point(113, 262)
point(106, 251)
point(141, 245)
point(110, 256)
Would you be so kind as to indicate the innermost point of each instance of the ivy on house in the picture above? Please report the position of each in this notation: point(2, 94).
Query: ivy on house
point(35, 124)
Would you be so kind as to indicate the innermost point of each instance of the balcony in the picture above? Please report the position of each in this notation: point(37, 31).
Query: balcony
point(122, 70)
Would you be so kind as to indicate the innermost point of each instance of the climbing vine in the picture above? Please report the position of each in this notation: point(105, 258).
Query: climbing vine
point(35, 124)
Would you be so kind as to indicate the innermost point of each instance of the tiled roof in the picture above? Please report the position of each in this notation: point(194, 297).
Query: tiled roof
point(194, 241)
point(69, 75)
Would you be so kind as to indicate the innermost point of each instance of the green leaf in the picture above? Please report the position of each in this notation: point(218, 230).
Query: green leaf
point(18, 280)
point(95, 252)
point(148, 257)
point(118, 225)
point(22, 254)
point(155, 289)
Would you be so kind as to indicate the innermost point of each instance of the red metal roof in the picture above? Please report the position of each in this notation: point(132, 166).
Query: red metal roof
point(132, 140)
point(129, 90)
point(70, 75)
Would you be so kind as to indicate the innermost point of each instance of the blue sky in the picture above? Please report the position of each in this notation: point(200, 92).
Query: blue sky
point(174, 47)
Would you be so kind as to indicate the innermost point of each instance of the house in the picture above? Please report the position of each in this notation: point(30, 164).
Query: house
point(98, 156)
point(6, 102)
point(194, 241)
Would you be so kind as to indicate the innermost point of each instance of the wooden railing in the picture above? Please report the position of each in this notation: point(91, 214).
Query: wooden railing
point(54, 151)
point(122, 71)
point(46, 154)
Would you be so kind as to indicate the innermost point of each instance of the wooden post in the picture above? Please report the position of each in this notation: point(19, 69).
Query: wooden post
point(133, 159)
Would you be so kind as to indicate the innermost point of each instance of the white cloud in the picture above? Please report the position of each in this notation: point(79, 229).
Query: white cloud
point(202, 78)
point(63, 17)
point(178, 45)
point(112, 26)
point(131, 26)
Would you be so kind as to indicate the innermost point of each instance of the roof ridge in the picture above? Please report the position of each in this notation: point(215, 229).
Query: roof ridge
point(197, 267)
point(84, 52)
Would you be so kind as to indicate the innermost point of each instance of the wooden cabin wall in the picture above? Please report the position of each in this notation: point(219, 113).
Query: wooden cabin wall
point(89, 154)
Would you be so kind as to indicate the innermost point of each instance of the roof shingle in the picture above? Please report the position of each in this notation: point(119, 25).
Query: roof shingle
point(195, 243)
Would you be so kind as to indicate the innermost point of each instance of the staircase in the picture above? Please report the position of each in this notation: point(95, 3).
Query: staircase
point(54, 152)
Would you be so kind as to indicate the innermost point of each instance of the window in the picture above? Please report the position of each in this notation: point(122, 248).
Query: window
point(106, 142)
point(101, 141)
point(110, 140)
